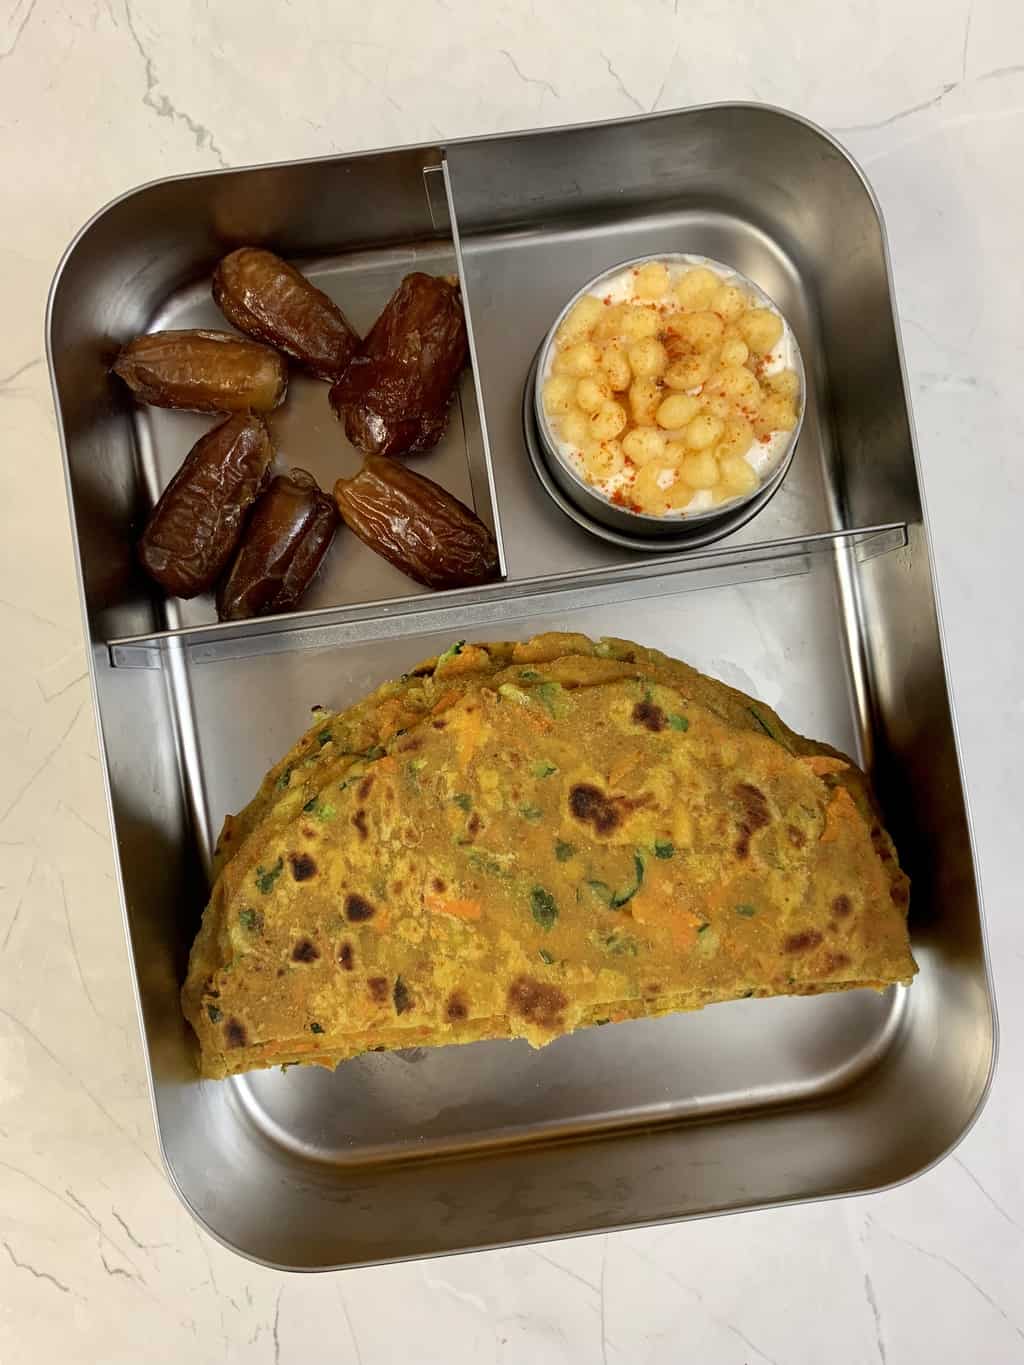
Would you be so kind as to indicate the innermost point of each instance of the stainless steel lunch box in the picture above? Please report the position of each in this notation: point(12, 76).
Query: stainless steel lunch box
point(823, 604)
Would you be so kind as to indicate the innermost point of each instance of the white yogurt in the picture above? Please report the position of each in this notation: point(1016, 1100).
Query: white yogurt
point(763, 457)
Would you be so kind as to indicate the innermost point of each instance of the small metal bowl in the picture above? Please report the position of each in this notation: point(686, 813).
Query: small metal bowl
point(595, 512)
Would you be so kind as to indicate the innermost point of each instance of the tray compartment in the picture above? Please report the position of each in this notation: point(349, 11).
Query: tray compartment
point(355, 226)
point(539, 215)
point(827, 612)
point(822, 1077)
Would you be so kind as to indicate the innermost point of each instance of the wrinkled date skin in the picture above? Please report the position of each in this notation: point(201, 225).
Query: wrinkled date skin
point(285, 540)
point(394, 396)
point(203, 371)
point(417, 525)
point(198, 521)
point(270, 300)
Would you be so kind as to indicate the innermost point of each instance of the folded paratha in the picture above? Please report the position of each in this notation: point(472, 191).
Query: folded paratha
point(520, 840)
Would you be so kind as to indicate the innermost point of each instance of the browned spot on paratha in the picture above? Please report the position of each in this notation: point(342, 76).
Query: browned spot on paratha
point(456, 1008)
point(305, 951)
point(880, 844)
point(802, 942)
point(754, 815)
point(303, 866)
point(536, 1002)
point(358, 909)
point(604, 813)
point(650, 716)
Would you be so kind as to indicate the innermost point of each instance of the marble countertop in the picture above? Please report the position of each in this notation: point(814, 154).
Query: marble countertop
point(98, 1259)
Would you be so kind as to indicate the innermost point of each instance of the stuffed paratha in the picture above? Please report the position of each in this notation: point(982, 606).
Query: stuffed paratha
point(554, 834)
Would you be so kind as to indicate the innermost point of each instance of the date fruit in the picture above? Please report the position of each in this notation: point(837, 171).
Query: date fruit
point(413, 522)
point(203, 371)
point(197, 523)
point(285, 540)
point(270, 300)
point(395, 394)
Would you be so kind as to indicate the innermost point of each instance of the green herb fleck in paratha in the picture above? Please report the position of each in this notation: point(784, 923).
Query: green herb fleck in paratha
point(452, 652)
point(483, 863)
point(599, 890)
point(267, 876)
point(549, 694)
point(620, 944)
point(509, 692)
point(623, 897)
point(763, 723)
point(543, 907)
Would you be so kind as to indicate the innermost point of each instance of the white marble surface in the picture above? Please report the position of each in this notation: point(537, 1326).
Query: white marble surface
point(98, 1260)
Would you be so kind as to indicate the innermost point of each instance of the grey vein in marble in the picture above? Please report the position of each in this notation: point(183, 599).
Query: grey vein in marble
point(946, 90)
point(39, 1274)
point(869, 1294)
point(348, 1323)
point(959, 1271)
point(22, 25)
point(8, 379)
point(17, 909)
point(527, 80)
point(620, 83)
point(160, 104)
point(74, 948)
point(29, 782)
point(982, 1190)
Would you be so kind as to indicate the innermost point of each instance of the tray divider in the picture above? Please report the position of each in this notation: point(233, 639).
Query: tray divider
point(478, 607)
point(452, 227)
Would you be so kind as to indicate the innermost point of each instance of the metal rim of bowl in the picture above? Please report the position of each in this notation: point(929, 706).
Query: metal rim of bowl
point(732, 519)
point(597, 510)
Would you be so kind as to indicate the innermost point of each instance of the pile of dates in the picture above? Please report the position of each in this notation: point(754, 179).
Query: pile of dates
point(227, 521)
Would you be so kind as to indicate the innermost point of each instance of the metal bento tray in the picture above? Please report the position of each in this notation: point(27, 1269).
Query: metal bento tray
point(823, 605)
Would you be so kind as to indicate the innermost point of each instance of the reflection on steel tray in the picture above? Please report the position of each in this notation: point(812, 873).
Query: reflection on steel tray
point(823, 604)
